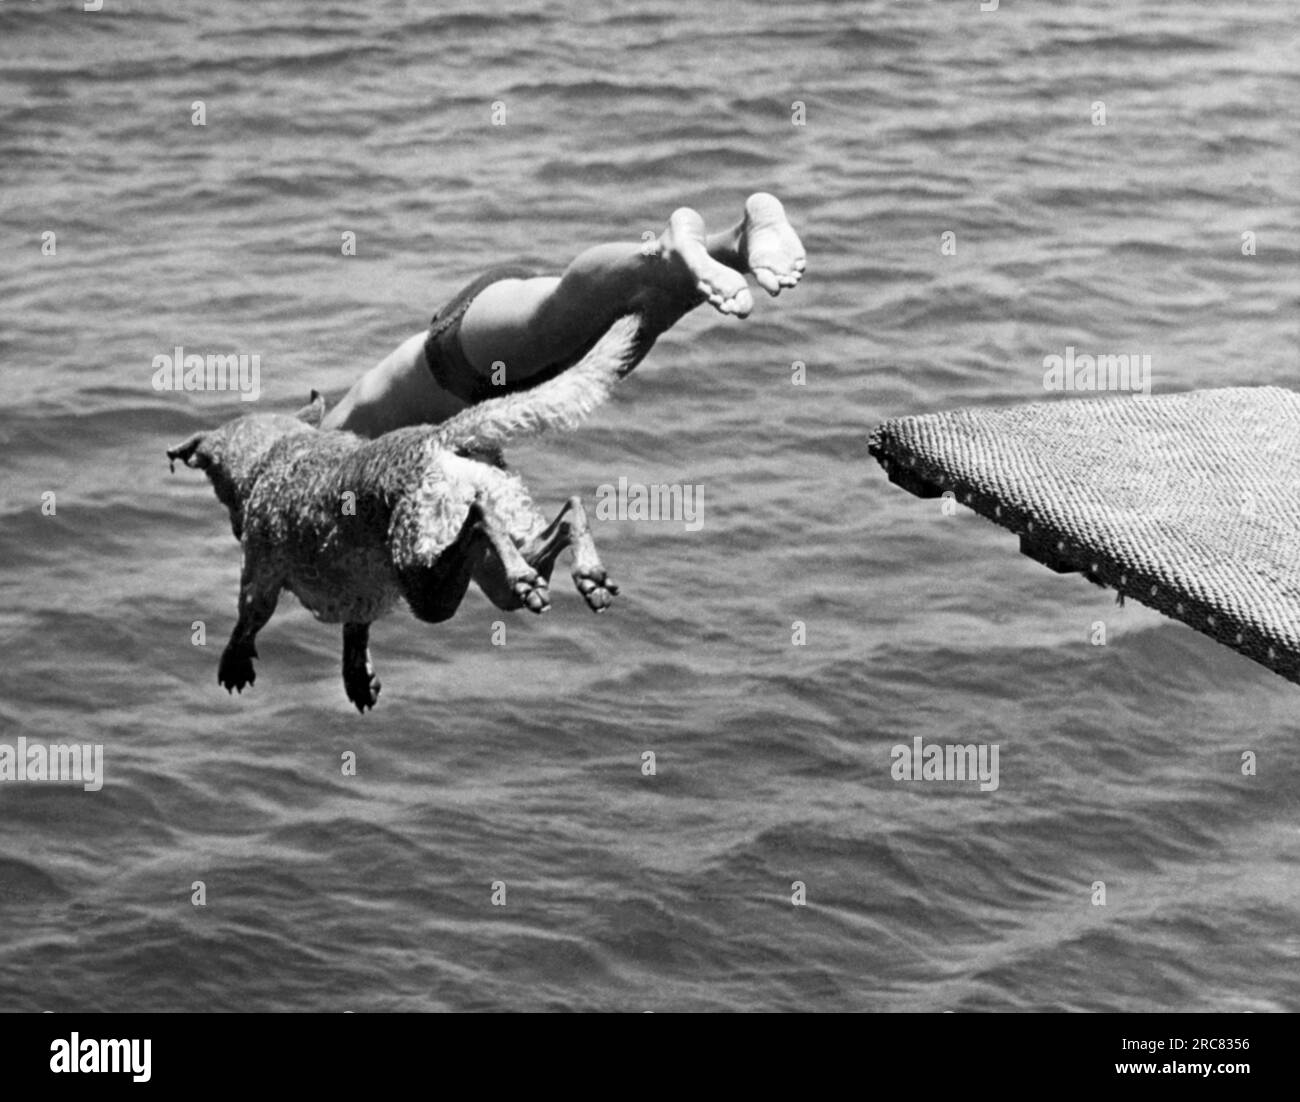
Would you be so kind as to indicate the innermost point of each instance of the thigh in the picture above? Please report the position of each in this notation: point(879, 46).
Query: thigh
point(501, 324)
point(400, 390)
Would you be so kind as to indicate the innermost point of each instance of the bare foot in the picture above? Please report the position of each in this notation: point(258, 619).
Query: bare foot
point(769, 245)
point(683, 242)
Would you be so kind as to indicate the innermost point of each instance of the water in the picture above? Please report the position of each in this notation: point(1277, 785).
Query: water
point(521, 763)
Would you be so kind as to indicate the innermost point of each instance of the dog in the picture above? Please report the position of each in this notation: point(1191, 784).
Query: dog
point(352, 527)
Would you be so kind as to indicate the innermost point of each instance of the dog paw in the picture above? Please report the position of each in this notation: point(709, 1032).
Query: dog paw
point(362, 687)
point(595, 586)
point(235, 670)
point(532, 591)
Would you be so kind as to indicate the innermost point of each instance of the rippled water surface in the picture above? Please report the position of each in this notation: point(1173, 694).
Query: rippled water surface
point(522, 763)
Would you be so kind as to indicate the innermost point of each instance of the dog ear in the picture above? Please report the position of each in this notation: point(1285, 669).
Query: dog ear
point(313, 411)
point(187, 453)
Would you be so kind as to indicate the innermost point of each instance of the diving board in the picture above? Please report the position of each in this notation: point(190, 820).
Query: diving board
point(1188, 503)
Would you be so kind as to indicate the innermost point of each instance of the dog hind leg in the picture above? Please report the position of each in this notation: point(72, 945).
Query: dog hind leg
point(484, 552)
point(435, 590)
point(359, 680)
point(503, 574)
point(571, 529)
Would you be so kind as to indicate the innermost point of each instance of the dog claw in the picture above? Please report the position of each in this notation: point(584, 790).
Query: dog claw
point(363, 690)
point(235, 670)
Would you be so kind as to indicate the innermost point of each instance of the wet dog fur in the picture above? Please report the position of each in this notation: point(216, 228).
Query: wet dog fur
point(353, 527)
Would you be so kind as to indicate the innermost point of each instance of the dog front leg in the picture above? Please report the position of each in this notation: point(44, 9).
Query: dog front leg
point(571, 529)
point(359, 680)
point(258, 594)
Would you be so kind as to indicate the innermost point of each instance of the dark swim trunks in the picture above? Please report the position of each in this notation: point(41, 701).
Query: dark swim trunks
point(454, 373)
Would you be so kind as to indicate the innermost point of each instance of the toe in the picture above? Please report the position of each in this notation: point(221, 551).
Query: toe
point(767, 279)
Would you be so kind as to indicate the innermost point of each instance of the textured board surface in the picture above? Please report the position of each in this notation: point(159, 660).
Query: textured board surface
point(1188, 503)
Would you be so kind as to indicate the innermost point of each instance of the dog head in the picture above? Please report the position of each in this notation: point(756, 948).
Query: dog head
point(232, 455)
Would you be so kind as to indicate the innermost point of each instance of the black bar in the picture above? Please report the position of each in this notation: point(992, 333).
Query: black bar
point(336, 1052)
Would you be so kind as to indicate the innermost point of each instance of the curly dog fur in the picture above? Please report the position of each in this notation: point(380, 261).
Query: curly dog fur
point(352, 527)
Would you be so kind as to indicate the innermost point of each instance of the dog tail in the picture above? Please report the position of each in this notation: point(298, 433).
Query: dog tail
point(559, 403)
